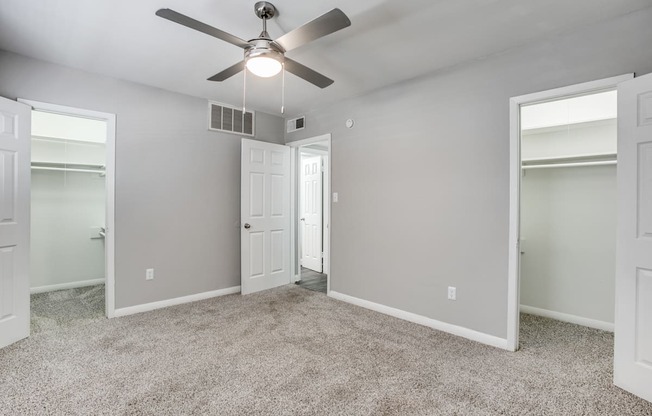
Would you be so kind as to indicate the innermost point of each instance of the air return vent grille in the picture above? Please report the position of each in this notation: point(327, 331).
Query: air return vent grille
point(229, 119)
point(296, 124)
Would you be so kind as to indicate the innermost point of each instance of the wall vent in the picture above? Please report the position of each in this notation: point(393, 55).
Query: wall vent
point(228, 119)
point(296, 124)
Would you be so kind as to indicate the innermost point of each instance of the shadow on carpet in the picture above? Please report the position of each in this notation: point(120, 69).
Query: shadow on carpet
point(66, 308)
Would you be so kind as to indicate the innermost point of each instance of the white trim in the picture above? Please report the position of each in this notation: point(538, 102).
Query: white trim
point(294, 177)
point(326, 220)
point(63, 286)
point(573, 90)
point(514, 249)
point(311, 140)
point(515, 103)
point(146, 307)
point(565, 317)
point(296, 145)
point(109, 241)
point(422, 320)
point(314, 152)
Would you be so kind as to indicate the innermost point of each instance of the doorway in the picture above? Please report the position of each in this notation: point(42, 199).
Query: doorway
point(71, 236)
point(563, 205)
point(311, 202)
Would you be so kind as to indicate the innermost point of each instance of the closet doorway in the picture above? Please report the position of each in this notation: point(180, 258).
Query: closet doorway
point(312, 236)
point(71, 243)
point(564, 206)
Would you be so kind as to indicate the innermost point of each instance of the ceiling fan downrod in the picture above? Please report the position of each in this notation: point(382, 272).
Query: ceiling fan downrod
point(265, 11)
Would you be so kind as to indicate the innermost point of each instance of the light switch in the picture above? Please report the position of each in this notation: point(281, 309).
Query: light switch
point(335, 197)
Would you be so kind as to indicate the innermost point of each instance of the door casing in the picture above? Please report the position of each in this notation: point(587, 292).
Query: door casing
point(110, 120)
point(314, 260)
point(326, 230)
point(515, 103)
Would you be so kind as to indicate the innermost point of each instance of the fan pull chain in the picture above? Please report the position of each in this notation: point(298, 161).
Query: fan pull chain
point(244, 95)
point(283, 89)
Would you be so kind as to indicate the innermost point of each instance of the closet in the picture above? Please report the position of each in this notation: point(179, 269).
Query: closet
point(568, 209)
point(68, 200)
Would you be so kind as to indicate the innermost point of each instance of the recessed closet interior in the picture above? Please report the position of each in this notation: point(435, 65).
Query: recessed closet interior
point(568, 209)
point(68, 214)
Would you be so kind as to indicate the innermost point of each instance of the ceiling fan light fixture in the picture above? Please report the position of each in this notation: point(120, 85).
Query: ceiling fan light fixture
point(263, 66)
point(263, 56)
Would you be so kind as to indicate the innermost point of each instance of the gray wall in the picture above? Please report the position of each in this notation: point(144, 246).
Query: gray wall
point(65, 205)
point(423, 177)
point(568, 236)
point(177, 184)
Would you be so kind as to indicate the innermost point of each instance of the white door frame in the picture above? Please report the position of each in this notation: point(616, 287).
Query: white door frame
point(295, 160)
point(325, 209)
point(110, 187)
point(515, 103)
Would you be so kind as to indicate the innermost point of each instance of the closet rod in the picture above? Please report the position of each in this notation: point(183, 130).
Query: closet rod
point(570, 165)
point(67, 169)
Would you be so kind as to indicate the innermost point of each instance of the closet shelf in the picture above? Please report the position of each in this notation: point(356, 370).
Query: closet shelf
point(62, 140)
point(69, 167)
point(570, 161)
point(543, 128)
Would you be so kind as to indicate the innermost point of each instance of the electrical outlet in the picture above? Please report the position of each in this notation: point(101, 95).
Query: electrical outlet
point(149, 274)
point(452, 293)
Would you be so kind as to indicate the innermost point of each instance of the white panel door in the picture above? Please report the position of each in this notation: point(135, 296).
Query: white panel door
point(265, 216)
point(311, 213)
point(15, 127)
point(633, 335)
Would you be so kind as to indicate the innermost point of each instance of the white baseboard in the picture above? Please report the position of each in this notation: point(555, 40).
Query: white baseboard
point(422, 320)
point(63, 286)
point(146, 307)
point(573, 319)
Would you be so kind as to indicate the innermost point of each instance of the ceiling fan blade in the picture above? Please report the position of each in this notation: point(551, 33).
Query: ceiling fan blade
point(325, 24)
point(306, 73)
point(228, 72)
point(184, 20)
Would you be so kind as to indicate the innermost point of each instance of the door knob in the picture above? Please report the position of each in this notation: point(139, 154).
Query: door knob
point(247, 226)
point(303, 219)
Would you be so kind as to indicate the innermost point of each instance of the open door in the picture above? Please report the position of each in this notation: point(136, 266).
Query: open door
point(15, 126)
point(265, 216)
point(311, 213)
point(633, 337)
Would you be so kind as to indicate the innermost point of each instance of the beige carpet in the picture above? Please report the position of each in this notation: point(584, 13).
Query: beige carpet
point(65, 308)
point(292, 351)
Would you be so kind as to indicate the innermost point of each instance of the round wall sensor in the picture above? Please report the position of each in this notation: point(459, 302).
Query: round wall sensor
point(349, 123)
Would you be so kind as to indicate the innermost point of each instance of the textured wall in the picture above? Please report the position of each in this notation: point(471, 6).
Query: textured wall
point(423, 177)
point(177, 184)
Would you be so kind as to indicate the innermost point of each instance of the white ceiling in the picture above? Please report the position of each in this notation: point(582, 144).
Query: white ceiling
point(389, 40)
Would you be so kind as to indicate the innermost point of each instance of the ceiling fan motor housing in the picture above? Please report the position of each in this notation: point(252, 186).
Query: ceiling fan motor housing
point(264, 47)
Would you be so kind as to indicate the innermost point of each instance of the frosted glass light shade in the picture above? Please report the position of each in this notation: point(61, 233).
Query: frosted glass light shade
point(263, 66)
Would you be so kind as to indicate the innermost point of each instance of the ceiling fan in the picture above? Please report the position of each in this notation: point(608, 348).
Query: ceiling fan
point(262, 55)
